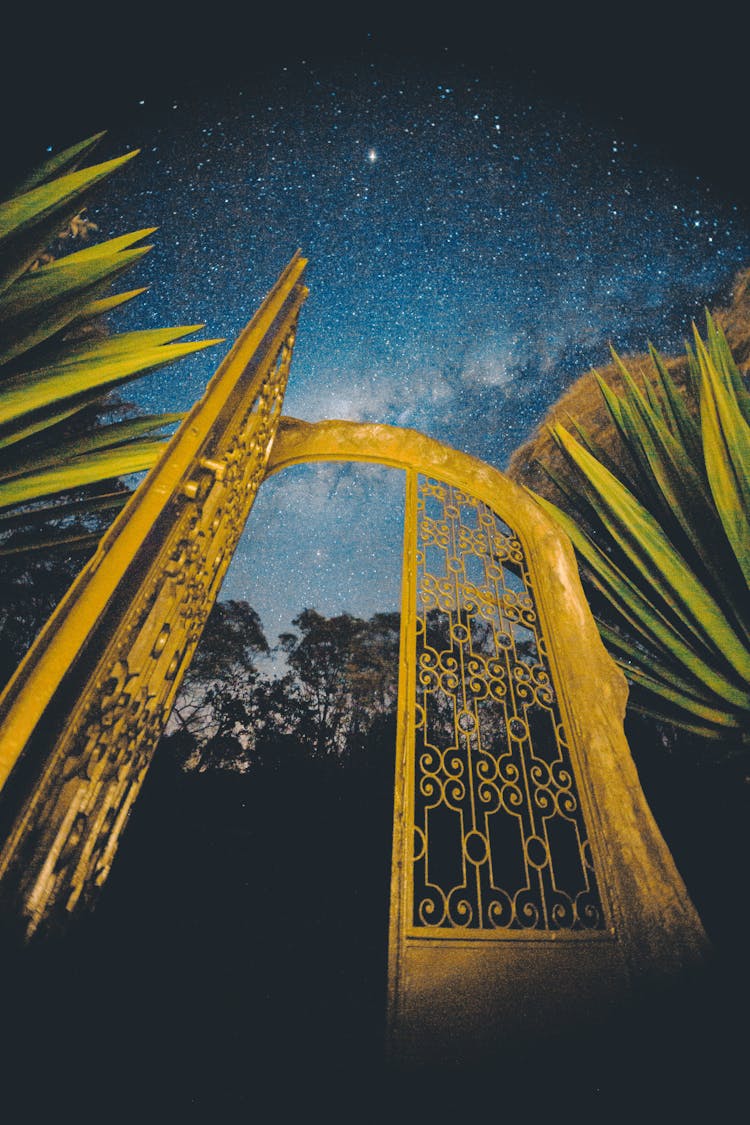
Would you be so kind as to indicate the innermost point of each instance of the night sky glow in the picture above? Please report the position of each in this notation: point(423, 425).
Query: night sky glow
point(472, 251)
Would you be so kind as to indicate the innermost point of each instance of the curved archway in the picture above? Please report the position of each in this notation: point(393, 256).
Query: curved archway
point(81, 718)
point(526, 780)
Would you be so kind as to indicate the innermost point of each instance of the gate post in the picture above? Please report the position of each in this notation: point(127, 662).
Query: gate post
point(81, 718)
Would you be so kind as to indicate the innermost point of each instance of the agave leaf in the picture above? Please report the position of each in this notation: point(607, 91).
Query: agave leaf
point(638, 410)
point(630, 382)
point(106, 249)
point(57, 164)
point(622, 420)
point(646, 488)
point(721, 719)
point(632, 604)
point(642, 541)
point(726, 445)
point(25, 394)
point(24, 211)
point(43, 304)
point(104, 437)
point(658, 389)
point(585, 497)
point(576, 500)
point(590, 443)
point(653, 400)
point(99, 348)
point(71, 540)
point(674, 718)
point(652, 397)
point(739, 387)
point(693, 368)
point(667, 674)
point(683, 426)
point(43, 421)
point(612, 402)
point(721, 354)
point(685, 501)
point(30, 221)
point(38, 515)
point(106, 304)
point(47, 285)
point(90, 469)
point(48, 378)
point(677, 611)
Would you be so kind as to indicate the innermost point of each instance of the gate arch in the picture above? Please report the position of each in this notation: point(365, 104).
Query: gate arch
point(81, 719)
point(459, 989)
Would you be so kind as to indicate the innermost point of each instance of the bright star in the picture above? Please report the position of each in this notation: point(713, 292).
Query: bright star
point(372, 156)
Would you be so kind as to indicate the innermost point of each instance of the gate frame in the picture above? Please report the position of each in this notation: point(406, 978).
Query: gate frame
point(459, 1000)
point(81, 718)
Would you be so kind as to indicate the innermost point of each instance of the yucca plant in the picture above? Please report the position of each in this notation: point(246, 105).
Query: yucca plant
point(664, 537)
point(52, 369)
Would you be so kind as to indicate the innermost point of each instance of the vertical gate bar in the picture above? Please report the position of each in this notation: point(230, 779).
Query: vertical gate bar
point(403, 798)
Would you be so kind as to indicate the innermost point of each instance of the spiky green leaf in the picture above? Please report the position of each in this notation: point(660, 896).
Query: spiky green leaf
point(51, 540)
point(103, 437)
point(640, 538)
point(726, 446)
point(106, 304)
point(44, 302)
point(715, 719)
point(57, 164)
point(106, 249)
point(723, 359)
point(19, 214)
point(681, 423)
point(30, 221)
point(99, 466)
point(40, 514)
point(641, 613)
point(96, 370)
point(668, 679)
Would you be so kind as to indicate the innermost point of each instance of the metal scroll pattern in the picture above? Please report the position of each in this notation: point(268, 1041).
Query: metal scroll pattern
point(90, 783)
point(500, 839)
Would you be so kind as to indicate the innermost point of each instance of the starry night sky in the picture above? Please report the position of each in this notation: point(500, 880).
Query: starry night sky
point(476, 236)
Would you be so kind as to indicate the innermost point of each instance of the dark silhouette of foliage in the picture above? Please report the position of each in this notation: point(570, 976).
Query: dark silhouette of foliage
point(337, 694)
point(31, 588)
point(215, 708)
point(346, 671)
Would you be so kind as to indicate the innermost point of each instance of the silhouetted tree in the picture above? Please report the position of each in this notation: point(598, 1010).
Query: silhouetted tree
point(30, 590)
point(347, 673)
point(216, 704)
point(339, 690)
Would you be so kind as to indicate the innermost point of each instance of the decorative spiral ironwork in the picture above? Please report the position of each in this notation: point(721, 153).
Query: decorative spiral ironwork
point(500, 838)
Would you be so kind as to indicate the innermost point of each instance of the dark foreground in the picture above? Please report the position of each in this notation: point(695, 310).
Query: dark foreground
point(235, 969)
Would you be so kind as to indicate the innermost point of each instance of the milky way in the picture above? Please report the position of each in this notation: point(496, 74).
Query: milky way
point(472, 250)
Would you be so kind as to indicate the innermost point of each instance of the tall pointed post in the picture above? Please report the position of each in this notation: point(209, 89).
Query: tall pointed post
point(81, 718)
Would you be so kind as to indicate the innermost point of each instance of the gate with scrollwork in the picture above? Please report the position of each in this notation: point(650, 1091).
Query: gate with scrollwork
point(530, 885)
point(529, 880)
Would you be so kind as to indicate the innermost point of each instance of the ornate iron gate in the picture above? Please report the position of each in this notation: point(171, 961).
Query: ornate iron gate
point(530, 886)
point(501, 842)
point(529, 880)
